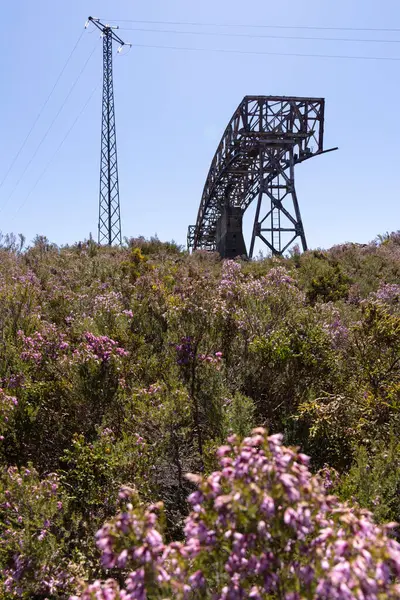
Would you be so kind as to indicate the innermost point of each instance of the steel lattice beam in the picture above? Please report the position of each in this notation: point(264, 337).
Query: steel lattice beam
point(266, 137)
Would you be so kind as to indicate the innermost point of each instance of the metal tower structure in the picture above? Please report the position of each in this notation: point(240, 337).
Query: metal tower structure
point(266, 137)
point(109, 206)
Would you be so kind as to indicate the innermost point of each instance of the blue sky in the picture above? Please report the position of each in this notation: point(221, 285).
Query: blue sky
point(172, 107)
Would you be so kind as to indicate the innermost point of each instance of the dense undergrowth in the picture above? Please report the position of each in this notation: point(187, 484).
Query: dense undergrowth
point(131, 366)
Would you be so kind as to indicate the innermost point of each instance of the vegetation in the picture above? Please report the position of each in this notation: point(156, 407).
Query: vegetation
point(124, 369)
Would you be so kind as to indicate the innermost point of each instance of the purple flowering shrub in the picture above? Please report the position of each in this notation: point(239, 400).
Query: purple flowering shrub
point(51, 345)
point(388, 293)
point(7, 407)
point(34, 561)
point(365, 399)
point(260, 527)
point(20, 297)
point(130, 366)
point(98, 350)
point(42, 347)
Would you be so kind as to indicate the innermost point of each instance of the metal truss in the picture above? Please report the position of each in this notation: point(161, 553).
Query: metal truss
point(266, 137)
point(109, 205)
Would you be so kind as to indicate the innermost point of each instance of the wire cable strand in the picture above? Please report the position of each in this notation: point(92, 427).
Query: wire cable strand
point(49, 128)
point(14, 160)
point(258, 26)
point(261, 52)
point(260, 36)
point(43, 173)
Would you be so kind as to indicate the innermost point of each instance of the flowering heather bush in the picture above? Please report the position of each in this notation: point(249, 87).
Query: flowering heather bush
point(130, 365)
point(333, 324)
point(7, 406)
point(43, 346)
point(260, 527)
point(31, 553)
point(99, 349)
point(388, 292)
point(109, 302)
point(184, 351)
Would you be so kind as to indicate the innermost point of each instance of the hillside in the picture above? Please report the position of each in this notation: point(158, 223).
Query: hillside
point(131, 366)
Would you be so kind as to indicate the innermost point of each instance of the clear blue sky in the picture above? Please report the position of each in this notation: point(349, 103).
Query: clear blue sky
point(172, 108)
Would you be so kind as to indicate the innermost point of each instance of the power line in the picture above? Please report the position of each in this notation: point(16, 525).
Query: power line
point(49, 128)
point(297, 54)
point(259, 26)
point(263, 36)
point(42, 109)
point(56, 152)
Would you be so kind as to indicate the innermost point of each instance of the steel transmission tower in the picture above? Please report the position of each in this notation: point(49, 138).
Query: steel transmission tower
point(109, 207)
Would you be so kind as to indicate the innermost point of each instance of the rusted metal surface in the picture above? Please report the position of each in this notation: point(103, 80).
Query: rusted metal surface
point(255, 159)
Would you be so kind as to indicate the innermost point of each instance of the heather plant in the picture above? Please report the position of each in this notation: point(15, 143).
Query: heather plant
point(7, 407)
point(19, 300)
point(331, 428)
point(376, 352)
point(239, 415)
point(296, 358)
point(33, 557)
point(67, 387)
point(154, 246)
point(131, 365)
point(44, 347)
point(330, 285)
point(260, 527)
point(91, 474)
point(374, 479)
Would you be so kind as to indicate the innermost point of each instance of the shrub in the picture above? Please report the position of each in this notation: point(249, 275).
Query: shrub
point(33, 557)
point(374, 480)
point(261, 527)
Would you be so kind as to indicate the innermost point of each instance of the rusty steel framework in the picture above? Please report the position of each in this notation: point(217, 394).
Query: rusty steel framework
point(266, 137)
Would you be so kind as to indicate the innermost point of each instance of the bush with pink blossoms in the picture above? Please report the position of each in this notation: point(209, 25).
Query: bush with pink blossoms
point(7, 407)
point(99, 350)
point(34, 562)
point(308, 345)
point(47, 345)
point(388, 294)
point(261, 527)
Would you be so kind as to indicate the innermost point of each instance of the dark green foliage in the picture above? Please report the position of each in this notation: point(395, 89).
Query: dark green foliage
point(374, 480)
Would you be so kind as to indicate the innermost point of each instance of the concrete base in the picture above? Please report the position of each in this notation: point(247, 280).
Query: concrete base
point(230, 241)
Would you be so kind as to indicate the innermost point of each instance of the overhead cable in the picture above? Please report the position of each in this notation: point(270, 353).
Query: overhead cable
point(56, 152)
point(261, 52)
point(260, 36)
point(17, 155)
point(259, 26)
point(49, 128)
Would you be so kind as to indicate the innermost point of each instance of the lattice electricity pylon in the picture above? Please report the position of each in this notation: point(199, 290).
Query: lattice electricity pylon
point(266, 137)
point(109, 205)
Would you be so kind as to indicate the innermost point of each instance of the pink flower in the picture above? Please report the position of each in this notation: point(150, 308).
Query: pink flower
point(265, 526)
